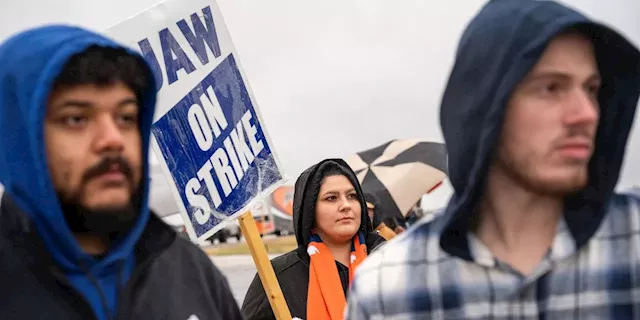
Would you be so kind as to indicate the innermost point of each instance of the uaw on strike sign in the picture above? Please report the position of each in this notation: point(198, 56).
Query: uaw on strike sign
point(207, 129)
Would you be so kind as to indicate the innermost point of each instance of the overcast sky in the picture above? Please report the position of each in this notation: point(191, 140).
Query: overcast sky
point(336, 76)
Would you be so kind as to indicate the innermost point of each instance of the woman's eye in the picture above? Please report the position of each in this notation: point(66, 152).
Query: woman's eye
point(353, 196)
point(331, 198)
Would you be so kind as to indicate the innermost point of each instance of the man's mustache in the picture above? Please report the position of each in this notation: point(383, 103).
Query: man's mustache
point(105, 166)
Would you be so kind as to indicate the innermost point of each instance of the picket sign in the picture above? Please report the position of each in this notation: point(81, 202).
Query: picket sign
point(208, 134)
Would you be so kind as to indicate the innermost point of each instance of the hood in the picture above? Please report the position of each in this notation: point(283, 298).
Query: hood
point(306, 193)
point(30, 63)
point(497, 50)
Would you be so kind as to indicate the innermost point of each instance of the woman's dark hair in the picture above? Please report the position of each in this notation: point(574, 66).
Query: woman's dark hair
point(104, 66)
point(331, 170)
point(328, 169)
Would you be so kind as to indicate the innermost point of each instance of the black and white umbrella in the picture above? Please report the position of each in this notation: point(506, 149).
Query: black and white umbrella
point(400, 172)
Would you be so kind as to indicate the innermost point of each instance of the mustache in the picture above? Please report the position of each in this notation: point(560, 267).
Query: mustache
point(105, 165)
point(576, 133)
point(581, 131)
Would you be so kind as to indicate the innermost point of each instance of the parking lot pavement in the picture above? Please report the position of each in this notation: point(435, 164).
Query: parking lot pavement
point(239, 270)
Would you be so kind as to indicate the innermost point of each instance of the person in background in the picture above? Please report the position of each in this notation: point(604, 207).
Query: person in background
point(396, 224)
point(370, 211)
point(536, 116)
point(334, 236)
point(376, 216)
point(414, 215)
point(77, 239)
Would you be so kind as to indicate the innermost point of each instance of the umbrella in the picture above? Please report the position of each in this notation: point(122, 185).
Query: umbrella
point(399, 172)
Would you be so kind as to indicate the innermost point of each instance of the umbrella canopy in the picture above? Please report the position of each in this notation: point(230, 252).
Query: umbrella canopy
point(400, 172)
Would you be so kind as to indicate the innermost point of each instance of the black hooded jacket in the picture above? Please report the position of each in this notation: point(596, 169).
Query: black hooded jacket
point(172, 279)
point(292, 269)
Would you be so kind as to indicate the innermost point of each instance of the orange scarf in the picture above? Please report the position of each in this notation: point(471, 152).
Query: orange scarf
point(326, 300)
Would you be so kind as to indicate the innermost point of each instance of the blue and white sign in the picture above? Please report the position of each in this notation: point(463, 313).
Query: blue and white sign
point(207, 128)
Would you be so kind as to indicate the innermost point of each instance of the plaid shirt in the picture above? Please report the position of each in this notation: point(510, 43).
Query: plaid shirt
point(411, 277)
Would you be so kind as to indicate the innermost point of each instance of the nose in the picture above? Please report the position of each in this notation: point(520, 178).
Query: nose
point(345, 204)
point(583, 109)
point(108, 136)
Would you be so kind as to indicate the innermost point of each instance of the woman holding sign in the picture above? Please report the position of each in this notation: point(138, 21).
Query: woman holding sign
point(334, 236)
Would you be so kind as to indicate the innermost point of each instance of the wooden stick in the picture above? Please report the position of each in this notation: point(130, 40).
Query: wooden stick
point(265, 269)
point(385, 231)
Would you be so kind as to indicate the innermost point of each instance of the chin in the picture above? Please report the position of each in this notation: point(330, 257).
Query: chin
point(347, 232)
point(572, 185)
point(107, 203)
point(561, 186)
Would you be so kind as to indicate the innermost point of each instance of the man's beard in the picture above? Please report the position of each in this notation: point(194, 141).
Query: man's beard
point(524, 174)
point(108, 221)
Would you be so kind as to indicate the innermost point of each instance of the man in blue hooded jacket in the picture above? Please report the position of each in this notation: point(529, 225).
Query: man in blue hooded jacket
point(77, 240)
point(535, 116)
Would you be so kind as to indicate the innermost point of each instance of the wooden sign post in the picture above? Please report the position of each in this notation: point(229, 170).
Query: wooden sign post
point(385, 231)
point(265, 269)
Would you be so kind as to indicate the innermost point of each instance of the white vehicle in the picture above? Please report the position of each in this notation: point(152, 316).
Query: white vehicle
point(231, 230)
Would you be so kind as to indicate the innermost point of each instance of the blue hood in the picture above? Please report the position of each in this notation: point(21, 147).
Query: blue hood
point(497, 50)
point(29, 63)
